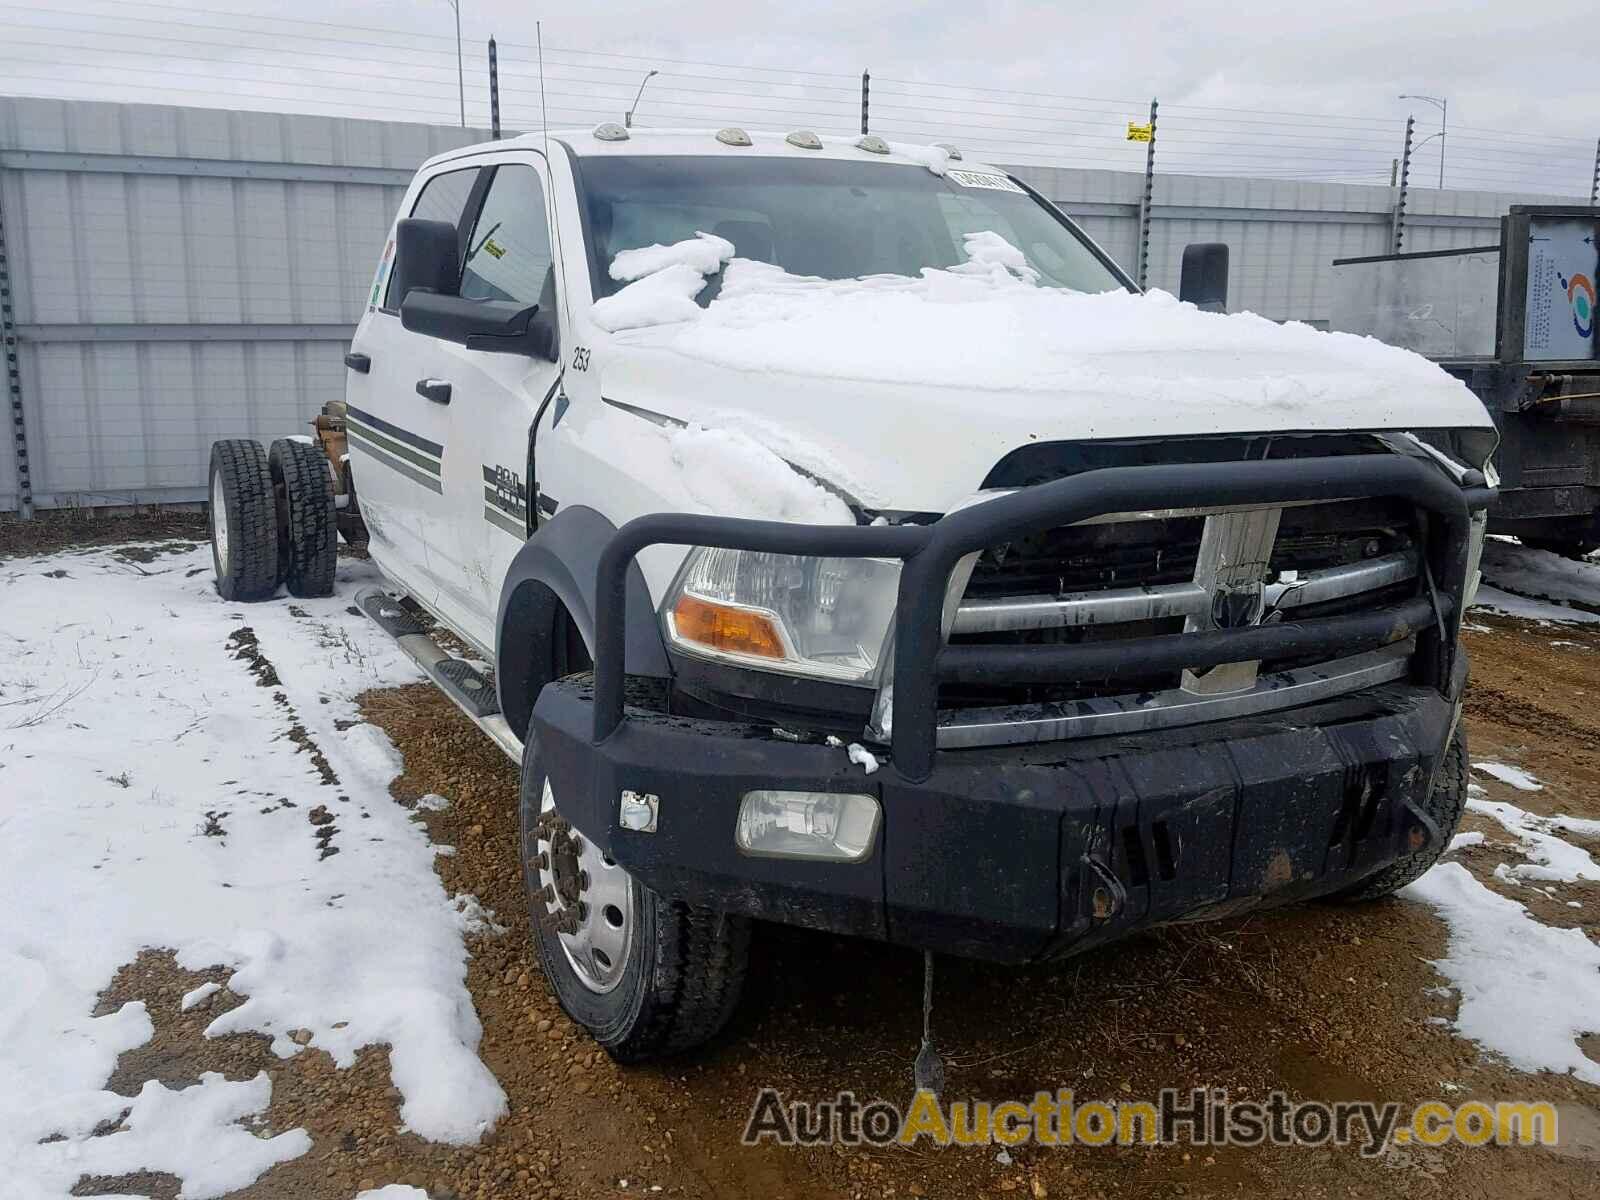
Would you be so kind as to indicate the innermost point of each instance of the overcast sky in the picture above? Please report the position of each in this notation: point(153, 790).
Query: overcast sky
point(1516, 74)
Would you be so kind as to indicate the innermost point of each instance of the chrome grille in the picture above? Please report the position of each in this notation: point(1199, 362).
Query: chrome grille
point(1142, 574)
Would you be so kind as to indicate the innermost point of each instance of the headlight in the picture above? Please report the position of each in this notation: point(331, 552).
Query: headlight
point(825, 617)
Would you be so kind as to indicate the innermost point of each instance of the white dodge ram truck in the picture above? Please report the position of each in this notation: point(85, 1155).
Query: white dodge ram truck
point(844, 540)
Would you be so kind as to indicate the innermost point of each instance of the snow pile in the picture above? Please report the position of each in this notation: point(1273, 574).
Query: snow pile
point(729, 472)
point(862, 757)
point(1528, 991)
point(923, 331)
point(991, 257)
point(174, 775)
point(1506, 773)
point(696, 469)
point(704, 254)
point(935, 158)
point(394, 1191)
point(1571, 589)
point(1508, 604)
point(664, 282)
point(1550, 859)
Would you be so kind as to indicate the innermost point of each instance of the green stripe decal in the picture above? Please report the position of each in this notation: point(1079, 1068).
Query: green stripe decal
point(373, 437)
point(377, 453)
point(511, 508)
point(495, 517)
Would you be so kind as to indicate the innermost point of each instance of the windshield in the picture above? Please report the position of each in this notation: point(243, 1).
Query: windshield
point(825, 218)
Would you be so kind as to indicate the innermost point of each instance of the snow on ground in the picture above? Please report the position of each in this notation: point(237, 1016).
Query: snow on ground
point(1550, 858)
point(1539, 573)
point(1538, 585)
point(1528, 991)
point(1506, 773)
point(163, 753)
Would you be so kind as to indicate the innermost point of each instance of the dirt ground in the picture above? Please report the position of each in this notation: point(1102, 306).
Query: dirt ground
point(1327, 1003)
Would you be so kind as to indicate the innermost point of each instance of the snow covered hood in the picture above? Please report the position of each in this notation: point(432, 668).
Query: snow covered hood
point(905, 392)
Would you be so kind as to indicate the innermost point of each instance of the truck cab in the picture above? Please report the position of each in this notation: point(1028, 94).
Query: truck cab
point(842, 539)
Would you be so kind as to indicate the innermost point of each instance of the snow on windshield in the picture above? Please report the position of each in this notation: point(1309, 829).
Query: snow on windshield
point(664, 282)
point(986, 323)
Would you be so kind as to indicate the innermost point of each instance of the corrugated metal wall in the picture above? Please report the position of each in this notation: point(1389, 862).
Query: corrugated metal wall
point(182, 275)
point(1282, 235)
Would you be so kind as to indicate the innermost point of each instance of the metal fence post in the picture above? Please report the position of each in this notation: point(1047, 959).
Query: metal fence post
point(1143, 258)
point(8, 346)
point(866, 81)
point(1397, 231)
point(494, 92)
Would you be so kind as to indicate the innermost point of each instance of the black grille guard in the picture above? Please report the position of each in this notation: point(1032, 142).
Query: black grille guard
point(931, 552)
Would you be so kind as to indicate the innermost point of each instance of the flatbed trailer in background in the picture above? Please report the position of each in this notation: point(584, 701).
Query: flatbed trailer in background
point(1516, 323)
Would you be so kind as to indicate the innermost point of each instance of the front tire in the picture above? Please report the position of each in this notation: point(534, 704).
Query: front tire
point(244, 521)
point(1445, 804)
point(647, 976)
point(308, 545)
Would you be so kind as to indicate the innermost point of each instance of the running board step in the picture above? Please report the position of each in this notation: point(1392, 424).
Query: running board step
point(471, 690)
point(466, 687)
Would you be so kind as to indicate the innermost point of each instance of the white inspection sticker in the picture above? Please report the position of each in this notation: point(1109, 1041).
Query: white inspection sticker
point(982, 179)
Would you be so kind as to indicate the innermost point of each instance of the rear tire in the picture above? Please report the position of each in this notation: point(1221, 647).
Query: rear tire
point(678, 981)
point(1445, 804)
point(244, 521)
point(308, 534)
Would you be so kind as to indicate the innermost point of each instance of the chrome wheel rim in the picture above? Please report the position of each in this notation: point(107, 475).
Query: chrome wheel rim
point(219, 523)
point(588, 897)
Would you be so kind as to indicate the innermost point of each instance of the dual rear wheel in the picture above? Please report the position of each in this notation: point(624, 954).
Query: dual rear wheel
point(272, 519)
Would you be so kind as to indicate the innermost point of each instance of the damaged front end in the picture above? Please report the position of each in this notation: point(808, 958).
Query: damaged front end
point(1300, 664)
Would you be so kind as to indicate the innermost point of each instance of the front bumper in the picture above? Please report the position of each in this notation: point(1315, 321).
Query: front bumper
point(1020, 853)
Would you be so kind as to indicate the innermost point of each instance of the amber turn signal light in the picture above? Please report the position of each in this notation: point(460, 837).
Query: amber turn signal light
point(722, 627)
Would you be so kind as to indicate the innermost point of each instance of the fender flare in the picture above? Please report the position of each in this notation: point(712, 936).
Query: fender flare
point(556, 568)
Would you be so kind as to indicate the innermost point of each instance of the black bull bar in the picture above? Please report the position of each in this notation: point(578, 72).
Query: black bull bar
point(931, 552)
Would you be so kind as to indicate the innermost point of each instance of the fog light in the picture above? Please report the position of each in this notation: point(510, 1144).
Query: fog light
point(820, 825)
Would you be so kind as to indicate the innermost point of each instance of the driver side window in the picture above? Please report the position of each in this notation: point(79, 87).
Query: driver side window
point(508, 252)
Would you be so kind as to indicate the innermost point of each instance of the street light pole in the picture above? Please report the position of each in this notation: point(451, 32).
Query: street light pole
point(461, 76)
point(1443, 105)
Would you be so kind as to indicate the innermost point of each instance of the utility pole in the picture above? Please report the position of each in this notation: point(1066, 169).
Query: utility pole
point(866, 82)
point(494, 91)
point(1443, 105)
point(461, 75)
point(1594, 187)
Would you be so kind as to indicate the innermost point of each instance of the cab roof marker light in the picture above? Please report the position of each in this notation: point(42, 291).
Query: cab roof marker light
point(733, 136)
point(610, 131)
point(955, 155)
point(873, 144)
point(804, 139)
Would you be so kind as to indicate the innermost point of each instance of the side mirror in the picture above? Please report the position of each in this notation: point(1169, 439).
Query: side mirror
point(427, 255)
point(498, 326)
point(1204, 280)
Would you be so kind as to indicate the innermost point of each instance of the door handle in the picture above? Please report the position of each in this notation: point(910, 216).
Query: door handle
point(437, 390)
point(359, 363)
